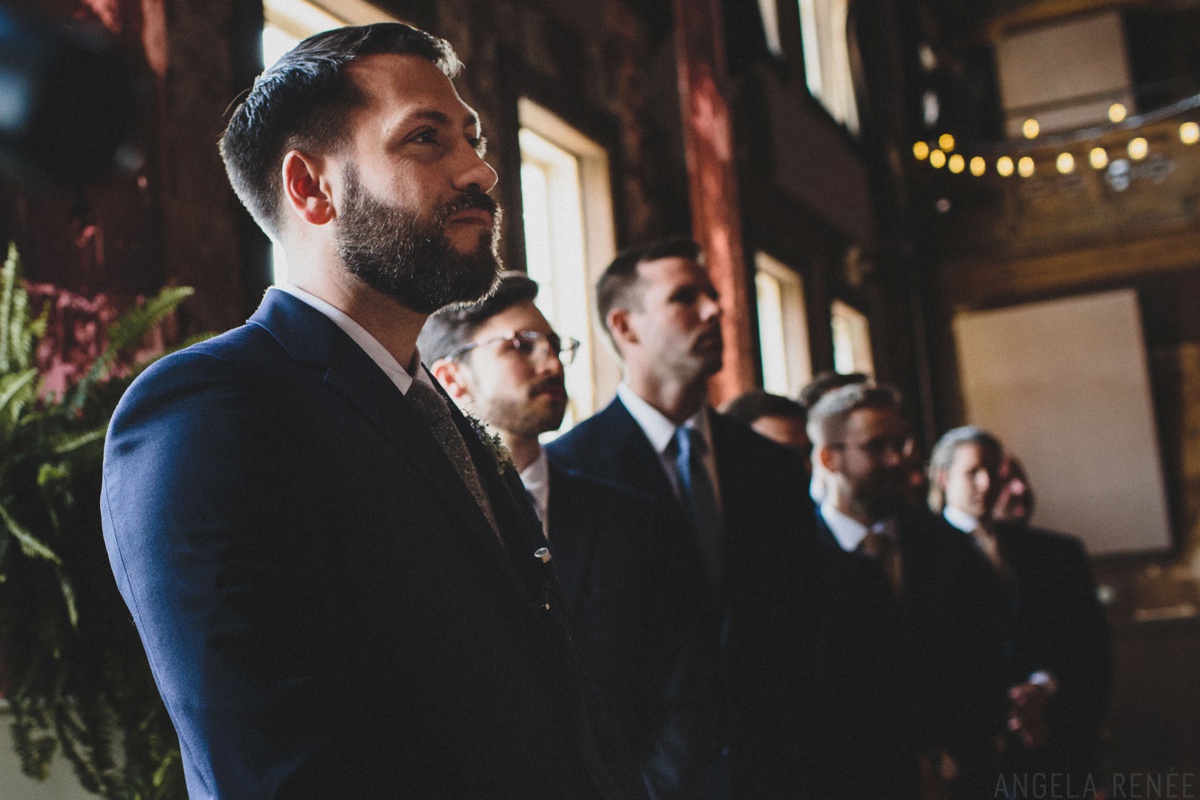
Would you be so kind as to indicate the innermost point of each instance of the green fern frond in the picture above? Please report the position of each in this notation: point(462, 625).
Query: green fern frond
point(9, 287)
point(69, 599)
point(67, 444)
point(30, 544)
point(127, 331)
point(15, 389)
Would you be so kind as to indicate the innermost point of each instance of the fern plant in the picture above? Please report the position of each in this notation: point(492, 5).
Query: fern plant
point(73, 668)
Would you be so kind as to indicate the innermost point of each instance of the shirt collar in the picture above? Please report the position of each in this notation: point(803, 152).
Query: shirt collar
point(960, 519)
point(536, 479)
point(849, 532)
point(658, 429)
point(370, 345)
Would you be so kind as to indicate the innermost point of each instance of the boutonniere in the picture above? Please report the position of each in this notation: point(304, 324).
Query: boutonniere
point(492, 442)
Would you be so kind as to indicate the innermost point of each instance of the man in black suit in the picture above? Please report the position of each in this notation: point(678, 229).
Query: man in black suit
point(336, 580)
point(1056, 652)
point(725, 658)
point(906, 674)
point(501, 359)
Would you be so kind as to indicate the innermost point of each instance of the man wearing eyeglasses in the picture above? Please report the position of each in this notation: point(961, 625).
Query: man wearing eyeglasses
point(501, 359)
point(908, 670)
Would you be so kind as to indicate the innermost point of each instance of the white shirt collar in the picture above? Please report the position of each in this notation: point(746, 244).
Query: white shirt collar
point(536, 478)
point(960, 519)
point(849, 532)
point(370, 345)
point(658, 429)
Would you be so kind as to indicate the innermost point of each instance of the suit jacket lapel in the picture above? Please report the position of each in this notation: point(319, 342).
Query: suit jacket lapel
point(312, 338)
point(571, 544)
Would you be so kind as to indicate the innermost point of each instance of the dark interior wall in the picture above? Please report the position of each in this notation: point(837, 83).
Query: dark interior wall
point(607, 69)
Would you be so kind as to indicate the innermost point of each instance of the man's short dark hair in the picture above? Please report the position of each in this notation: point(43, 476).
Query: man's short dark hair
point(826, 382)
point(827, 419)
point(943, 456)
point(453, 326)
point(616, 287)
point(304, 102)
point(756, 403)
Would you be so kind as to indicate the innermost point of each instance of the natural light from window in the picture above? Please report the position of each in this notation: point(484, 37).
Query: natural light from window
point(851, 340)
point(569, 239)
point(827, 58)
point(782, 327)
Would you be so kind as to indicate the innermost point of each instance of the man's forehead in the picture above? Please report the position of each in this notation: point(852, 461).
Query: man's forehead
point(874, 421)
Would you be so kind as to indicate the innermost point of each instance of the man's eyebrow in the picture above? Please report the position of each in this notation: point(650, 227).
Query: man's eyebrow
point(470, 119)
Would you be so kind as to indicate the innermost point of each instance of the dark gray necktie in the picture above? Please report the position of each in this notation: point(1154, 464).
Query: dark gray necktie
point(432, 408)
point(699, 498)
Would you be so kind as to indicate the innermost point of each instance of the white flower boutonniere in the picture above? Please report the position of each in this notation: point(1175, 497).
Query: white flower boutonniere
point(494, 444)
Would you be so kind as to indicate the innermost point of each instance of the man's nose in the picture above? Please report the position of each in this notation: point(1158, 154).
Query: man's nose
point(474, 171)
point(709, 307)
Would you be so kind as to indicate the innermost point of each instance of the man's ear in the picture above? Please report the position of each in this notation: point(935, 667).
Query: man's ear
point(826, 456)
point(618, 323)
point(306, 189)
point(452, 376)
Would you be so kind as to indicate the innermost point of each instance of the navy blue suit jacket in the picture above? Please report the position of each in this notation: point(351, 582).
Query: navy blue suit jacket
point(724, 667)
point(326, 610)
point(902, 675)
point(598, 533)
point(1058, 625)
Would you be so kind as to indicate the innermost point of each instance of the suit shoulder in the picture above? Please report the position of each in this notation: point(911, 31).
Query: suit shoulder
point(579, 445)
point(599, 489)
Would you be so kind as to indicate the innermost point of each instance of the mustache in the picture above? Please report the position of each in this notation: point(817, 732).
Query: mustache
point(557, 382)
point(473, 198)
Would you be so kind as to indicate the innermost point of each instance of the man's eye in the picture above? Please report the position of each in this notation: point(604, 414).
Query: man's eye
point(522, 345)
point(424, 137)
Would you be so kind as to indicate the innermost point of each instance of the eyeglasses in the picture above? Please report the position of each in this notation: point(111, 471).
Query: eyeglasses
point(901, 446)
point(530, 345)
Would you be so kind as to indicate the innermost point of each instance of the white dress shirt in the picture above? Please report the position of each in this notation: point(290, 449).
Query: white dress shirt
point(849, 532)
point(661, 432)
point(400, 376)
point(536, 478)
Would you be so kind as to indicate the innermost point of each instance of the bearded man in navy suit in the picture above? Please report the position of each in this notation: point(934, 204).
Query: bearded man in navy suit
point(338, 583)
point(727, 713)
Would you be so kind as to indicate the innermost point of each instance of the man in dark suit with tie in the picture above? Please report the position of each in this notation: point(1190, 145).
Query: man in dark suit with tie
point(725, 659)
point(907, 672)
point(501, 360)
point(337, 581)
point(1057, 658)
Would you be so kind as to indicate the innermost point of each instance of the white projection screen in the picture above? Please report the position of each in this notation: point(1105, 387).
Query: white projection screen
point(1066, 386)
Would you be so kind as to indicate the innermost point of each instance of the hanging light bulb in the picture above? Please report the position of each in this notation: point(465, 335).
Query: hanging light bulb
point(957, 163)
point(978, 166)
point(1189, 133)
point(1031, 128)
point(921, 151)
point(1025, 166)
point(937, 159)
point(1116, 112)
point(946, 142)
point(1065, 163)
point(1004, 166)
point(1138, 148)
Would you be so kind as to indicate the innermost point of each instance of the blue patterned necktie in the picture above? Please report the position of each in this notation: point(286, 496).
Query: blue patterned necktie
point(699, 498)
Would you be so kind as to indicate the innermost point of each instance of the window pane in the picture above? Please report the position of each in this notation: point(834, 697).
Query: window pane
point(851, 340)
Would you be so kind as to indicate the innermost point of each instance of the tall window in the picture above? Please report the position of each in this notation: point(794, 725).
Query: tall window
point(285, 23)
point(827, 58)
point(851, 340)
point(569, 240)
point(782, 327)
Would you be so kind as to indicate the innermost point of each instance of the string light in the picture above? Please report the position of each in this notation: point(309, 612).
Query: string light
point(957, 163)
point(1116, 112)
point(1138, 148)
point(937, 159)
point(1098, 158)
point(978, 166)
point(1189, 133)
point(1031, 128)
point(1025, 167)
point(1004, 166)
point(1065, 163)
point(946, 142)
point(921, 151)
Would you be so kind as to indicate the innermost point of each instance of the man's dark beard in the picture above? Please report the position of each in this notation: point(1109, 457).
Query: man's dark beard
point(409, 258)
